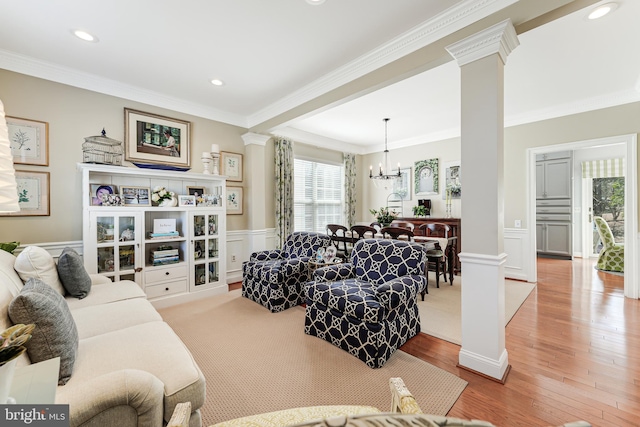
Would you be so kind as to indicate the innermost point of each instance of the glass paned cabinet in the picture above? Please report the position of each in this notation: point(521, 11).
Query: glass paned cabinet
point(116, 249)
point(204, 248)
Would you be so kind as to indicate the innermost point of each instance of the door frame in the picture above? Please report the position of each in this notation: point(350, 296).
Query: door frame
point(631, 285)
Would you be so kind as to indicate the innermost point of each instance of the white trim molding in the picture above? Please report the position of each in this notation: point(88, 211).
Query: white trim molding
point(516, 246)
point(500, 38)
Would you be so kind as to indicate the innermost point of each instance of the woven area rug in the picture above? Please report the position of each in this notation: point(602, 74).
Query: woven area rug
point(440, 312)
point(255, 361)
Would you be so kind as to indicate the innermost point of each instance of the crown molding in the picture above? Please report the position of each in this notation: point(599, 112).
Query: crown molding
point(48, 71)
point(451, 20)
point(252, 138)
point(500, 38)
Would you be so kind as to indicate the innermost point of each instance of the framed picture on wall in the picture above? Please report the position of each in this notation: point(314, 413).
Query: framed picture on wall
point(33, 194)
point(234, 200)
point(452, 180)
point(29, 141)
point(155, 141)
point(231, 165)
point(426, 177)
point(402, 185)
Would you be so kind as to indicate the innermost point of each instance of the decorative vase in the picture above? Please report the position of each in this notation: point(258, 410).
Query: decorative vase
point(6, 378)
point(168, 203)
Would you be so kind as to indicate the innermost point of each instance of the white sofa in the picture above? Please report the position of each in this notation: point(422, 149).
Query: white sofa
point(131, 369)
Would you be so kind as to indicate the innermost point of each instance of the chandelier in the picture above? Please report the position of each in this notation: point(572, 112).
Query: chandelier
point(387, 166)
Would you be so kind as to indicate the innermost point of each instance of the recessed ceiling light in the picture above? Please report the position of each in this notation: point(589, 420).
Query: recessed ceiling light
point(315, 2)
point(83, 35)
point(217, 82)
point(602, 10)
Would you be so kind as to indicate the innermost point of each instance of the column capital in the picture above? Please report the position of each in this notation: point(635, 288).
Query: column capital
point(251, 138)
point(500, 38)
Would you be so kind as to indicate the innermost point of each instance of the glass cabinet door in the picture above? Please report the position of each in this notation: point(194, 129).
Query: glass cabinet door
point(116, 241)
point(205, 249)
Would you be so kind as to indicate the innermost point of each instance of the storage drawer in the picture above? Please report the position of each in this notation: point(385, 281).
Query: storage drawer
point(154, 275)
point(553, 217)
point(553, 202)
point(168, 288)
point(552, 209)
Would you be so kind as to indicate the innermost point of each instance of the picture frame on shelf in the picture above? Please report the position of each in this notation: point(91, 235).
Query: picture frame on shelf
point(29, 141)
point(231, 165)
point(135, 196)
point(196, 191)
point(98, 191)
point(111, 200)
point(156, 141)
point(185, 200)
point(33, 194)
point(234, 200)
point(426, 177)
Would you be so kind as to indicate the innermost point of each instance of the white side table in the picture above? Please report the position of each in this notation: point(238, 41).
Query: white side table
point(36, 383)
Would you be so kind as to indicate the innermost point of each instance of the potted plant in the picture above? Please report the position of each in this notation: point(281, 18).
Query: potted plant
point(12, 343)
point(419, 210)
point(384, 216)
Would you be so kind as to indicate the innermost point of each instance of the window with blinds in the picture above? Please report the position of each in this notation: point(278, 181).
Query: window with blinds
point(318, 195)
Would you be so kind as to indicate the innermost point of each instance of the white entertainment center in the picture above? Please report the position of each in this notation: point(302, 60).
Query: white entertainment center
point(118, 243)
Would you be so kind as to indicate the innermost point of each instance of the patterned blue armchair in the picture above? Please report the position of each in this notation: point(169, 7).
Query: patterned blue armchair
point(276, 278)
point(368, 307)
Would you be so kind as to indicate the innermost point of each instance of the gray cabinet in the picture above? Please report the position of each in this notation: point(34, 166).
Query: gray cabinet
point(554, 204)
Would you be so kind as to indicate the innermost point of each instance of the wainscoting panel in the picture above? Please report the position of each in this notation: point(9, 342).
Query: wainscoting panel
point(516, 246)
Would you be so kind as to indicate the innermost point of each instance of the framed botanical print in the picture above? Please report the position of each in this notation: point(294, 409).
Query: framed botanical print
point(402, 186)
point(234, 200)
point(452, 180)
point(29, 140)
point(33, 194)
point(231, 165)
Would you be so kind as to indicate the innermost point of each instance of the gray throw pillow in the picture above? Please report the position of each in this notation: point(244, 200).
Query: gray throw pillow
point(55, 334)
point(74, 277)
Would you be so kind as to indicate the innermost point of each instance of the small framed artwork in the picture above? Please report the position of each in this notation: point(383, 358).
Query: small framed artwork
point(186, 200)
point(135, 196)
point(231, 165)
point(151, 139)
point(402, 186)
point(426, 177)
point(33, 194)
point(29, 140)
point(234, 200)
point(196, 191)
point(98, 192)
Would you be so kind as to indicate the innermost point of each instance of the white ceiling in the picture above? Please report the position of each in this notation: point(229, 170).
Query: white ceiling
point(276, 53)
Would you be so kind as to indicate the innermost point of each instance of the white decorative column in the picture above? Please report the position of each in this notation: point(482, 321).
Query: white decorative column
point(255, 192)
point(481, 58)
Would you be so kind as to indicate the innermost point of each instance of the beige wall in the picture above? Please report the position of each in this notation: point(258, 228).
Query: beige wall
point(74, 114)
point(621, 120)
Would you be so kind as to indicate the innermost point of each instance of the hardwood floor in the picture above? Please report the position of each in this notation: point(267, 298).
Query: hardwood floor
point(574, 350)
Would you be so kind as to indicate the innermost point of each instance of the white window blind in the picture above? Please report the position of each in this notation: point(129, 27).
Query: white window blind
point(318, 195)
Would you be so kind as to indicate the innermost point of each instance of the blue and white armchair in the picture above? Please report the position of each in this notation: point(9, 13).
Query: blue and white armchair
point(276, 278)
point(368, 307)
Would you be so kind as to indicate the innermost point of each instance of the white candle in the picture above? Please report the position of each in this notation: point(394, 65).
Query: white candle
point(215, 148)
point(206, 154)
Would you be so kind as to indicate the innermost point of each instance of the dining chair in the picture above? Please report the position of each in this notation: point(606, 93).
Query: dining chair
point(397, 233)
point(338, 235)
point(359, 232)
point(404, 224)
point(437, 258)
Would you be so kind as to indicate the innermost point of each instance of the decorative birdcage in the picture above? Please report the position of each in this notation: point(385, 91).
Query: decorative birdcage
point(102, 150)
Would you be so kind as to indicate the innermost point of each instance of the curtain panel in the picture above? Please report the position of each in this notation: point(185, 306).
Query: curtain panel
point(607, 168)
point(350, 189)
point(284, 189)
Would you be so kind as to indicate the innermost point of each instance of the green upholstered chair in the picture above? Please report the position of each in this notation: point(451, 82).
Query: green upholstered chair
point(611, 256)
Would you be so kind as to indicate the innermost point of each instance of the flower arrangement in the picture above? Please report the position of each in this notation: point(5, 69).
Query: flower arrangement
point(384, 215)
point(12, 341)
point(160, 193)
